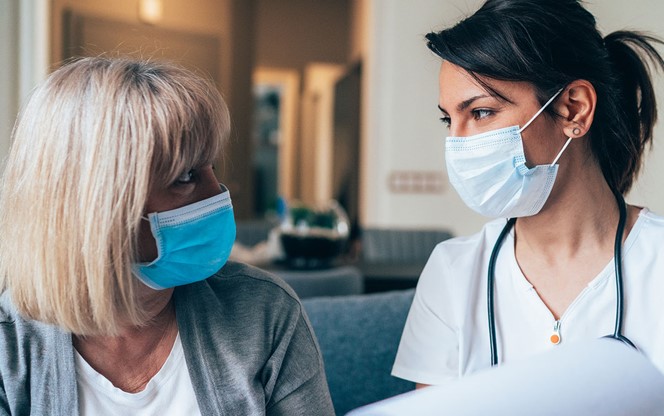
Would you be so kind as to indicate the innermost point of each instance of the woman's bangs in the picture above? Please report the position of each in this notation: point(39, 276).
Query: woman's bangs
point(196, 133)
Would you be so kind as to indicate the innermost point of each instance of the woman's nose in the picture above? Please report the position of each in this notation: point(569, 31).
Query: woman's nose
point(456, 131)
point(209, 185)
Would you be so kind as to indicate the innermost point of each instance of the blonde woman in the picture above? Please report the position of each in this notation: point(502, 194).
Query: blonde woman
point(114, 238)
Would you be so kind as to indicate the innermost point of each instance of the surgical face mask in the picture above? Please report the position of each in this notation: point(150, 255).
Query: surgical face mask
point(193, 243)
point(489, 172)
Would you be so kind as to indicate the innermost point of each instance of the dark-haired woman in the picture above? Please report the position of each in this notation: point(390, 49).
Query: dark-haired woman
point(548, 122)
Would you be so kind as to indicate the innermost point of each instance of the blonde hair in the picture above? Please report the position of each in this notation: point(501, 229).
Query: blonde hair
point(89, 145)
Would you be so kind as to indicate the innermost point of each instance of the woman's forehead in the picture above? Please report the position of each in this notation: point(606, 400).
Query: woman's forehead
point(458, 86)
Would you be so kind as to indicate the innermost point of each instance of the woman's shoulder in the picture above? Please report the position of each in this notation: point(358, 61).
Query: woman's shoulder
point(241, 302)
point(647, 234)
point(458, 251)
point(8, 313)
point(455, 264)
point(30, 351)
point(652, 220)
point(648, 228)
point(239, 284)
point(240, 274)
point(23, 340)
point(11, 321)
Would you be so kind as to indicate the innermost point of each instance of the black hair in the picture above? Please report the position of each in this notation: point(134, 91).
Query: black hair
point(550, 43)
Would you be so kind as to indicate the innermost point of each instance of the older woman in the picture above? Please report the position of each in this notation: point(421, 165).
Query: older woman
point(114, 238)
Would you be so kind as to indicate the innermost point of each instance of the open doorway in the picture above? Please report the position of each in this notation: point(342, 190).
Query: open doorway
point(276, 101)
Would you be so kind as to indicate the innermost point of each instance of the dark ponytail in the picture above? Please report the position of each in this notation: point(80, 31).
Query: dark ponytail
point(629, 52)
point(550, 43)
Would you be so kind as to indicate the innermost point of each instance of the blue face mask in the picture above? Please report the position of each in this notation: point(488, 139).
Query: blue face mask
point(193, 243)
point(489, 172)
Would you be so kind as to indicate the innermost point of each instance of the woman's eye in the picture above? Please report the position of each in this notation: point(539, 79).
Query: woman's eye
point(186, 177)
point(446, 121)
point(481, 113)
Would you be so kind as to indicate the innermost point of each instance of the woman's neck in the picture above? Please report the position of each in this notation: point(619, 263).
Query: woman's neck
point(578, 216)
point(565, 246)
point(130, 359)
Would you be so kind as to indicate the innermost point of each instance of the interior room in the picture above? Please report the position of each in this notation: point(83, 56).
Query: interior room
point(255, 43)
point(335, 161)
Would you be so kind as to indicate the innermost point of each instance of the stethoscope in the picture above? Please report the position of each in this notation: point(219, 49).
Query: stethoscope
point(617, 257)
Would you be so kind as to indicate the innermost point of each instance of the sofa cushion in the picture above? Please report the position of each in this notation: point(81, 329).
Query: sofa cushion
point(358, 337)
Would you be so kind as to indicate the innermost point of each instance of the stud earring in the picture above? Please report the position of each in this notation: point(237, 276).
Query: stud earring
point(576, 131)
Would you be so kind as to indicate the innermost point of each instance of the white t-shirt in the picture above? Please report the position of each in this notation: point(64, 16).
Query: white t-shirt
point(169, 392)
point(446, 335)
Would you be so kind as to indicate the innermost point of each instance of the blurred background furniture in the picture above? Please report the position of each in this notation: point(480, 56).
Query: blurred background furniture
point(385, 259)
point(358, 337)
point(251, 232)
point(334, 281)
point(393, 259)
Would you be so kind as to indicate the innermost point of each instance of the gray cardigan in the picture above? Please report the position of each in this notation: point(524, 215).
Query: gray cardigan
point(248, 344)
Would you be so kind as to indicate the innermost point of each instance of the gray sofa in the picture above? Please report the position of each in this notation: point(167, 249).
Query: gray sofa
point(358, 337)
point(335, 281)
point(393, 258)
point(394, 245)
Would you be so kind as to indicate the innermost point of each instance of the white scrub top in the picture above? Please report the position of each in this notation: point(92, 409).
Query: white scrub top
point(446, 334)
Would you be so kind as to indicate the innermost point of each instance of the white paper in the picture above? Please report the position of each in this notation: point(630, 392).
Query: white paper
point(599, 377)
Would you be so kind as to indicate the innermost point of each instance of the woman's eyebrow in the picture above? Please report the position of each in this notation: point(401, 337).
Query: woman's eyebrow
point(464, 104)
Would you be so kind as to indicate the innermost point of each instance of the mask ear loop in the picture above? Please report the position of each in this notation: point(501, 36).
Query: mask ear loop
point(569, 140)
point(541, 109)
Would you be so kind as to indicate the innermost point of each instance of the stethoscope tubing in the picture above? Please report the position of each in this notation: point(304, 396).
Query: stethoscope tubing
point(617, 333)
point(617, 259)
point(490, 289)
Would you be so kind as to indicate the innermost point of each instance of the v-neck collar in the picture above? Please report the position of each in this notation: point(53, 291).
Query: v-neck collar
point(522, 285)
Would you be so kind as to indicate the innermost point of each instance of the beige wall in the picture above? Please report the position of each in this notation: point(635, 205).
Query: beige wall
point(359, 13)
point(8, 72)
point(240, 57)
point(23, 59)
point(210, 17)
point(201, 16)
point(401, 131)
point(294, 33)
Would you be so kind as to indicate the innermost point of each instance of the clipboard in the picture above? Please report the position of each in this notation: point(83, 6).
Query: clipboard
point(598, 377)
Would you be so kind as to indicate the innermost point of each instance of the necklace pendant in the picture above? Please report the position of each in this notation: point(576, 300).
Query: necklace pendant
point(555, 337)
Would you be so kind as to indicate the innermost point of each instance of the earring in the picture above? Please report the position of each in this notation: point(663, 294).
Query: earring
point(576, 131)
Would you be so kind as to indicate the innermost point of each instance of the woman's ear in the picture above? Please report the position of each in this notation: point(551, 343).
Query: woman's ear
point(577, 105)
